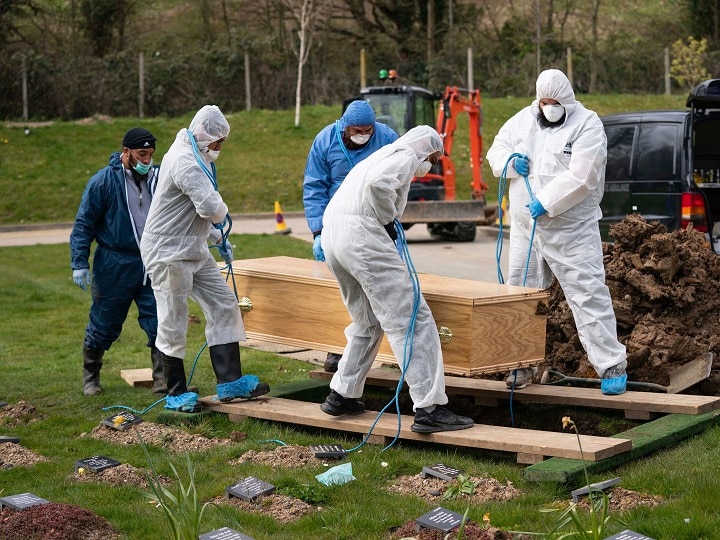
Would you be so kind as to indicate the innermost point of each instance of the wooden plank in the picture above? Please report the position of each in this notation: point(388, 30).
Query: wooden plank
point(137, 378)
point(566, 395)
point(656, 435)
point(540, 443)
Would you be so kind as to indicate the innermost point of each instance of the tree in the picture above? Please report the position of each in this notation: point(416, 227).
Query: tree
point(689, 62)
point(307, 14)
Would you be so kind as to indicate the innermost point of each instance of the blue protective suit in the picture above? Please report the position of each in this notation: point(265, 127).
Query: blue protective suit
point(118, 274)
point(328, 165)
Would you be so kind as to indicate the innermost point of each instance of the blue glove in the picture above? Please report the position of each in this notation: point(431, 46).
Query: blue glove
point(536, 208)
point(81, 278)
point(226, 252)
point(522, 166)
point(318, 252)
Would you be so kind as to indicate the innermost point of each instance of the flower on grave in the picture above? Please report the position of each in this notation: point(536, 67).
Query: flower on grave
point(81, 470)
point(486, 518)
point(567, 421)
point(119, 419)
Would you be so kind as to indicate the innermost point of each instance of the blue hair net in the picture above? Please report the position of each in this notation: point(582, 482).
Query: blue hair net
point(358, 113)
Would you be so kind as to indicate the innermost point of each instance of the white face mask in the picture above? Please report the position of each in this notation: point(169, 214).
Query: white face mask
point(423, 169)
point(360, 139)
point(212, 155)
point(553, 113)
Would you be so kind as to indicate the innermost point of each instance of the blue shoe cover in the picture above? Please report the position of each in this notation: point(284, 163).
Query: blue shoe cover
point(614, 386)
point(239, 388)
point(186, 402)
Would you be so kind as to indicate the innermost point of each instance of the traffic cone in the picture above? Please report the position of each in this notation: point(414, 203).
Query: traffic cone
point(280, 227)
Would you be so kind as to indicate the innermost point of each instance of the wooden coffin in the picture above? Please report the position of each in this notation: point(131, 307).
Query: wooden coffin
point(494, 328)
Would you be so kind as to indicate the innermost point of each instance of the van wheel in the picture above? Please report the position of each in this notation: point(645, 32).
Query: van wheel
point(462, 231)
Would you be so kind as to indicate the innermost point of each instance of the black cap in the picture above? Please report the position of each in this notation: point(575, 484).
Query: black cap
point(138, 138)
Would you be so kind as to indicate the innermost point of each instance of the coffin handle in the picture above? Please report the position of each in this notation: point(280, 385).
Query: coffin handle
point(245, 304)
point(445, 334)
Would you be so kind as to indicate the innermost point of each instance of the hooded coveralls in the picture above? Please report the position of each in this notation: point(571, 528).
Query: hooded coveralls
point(174, 244)
point(373, 279)
point(118, 272)
point(329, 161)
point(567, 176)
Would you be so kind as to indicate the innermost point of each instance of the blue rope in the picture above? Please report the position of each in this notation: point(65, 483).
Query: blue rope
point(404, 253)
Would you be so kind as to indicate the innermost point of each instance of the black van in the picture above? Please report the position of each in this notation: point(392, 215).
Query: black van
point(665, 165)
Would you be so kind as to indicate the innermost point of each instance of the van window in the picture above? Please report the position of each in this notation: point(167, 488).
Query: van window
point(619, 152)
point(657, 152)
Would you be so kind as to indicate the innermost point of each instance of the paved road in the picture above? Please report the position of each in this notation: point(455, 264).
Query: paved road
point(467, 260)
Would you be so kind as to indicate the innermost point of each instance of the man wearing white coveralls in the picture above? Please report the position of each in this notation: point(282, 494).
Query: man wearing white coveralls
point(359, 244)
point(566, 150)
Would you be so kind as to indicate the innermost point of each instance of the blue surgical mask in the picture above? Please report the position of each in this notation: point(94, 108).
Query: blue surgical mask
point(141, 168)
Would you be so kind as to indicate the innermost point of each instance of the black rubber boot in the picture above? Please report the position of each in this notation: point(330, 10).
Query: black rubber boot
point(158, 373)
point(174, 371)
point(92, 362)
point(331, 362)
point(226, 364)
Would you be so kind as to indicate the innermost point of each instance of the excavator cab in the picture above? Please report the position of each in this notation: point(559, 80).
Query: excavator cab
point(431, 199)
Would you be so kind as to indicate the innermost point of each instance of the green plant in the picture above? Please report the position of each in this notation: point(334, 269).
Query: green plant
point(573, 516)
point(305, 492)
point(463, 485)
point(180, 504)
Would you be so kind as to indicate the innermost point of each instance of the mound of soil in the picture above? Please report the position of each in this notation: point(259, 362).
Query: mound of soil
point(121, 475)
point(665, 289)
point(283, 456)
point(432, 489)
point(21, 414)
point(13, 455)
point(55, 521)
point(282, 508)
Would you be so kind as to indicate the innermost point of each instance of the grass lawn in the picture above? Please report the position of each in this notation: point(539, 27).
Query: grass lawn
point(43, 317)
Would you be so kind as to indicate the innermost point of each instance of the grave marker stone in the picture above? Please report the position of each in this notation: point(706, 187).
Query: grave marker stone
point(21, 501)
point(441, 471)
point(628, 535)
point(249, 489)
point(226, 533)
point(440, 519)
point(8, 439)
point(96, 464)
point(322, 451)
point(122, 421)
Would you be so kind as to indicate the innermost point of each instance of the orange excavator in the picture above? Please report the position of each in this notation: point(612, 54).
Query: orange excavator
point(431, 199)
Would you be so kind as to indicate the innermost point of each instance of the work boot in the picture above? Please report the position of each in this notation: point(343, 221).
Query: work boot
point(331, 362)
point(158, 373)
point(179, 398)
point(614, 380)
point(520, 378)
point(92, 362)
point(440, 419)
point(335, 405)
point(231, 384)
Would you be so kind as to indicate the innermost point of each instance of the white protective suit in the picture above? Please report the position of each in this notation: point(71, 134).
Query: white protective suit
point(567, 176)
point(175, 242)
point(374, 282)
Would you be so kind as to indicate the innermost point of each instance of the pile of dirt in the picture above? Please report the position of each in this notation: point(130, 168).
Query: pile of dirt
point(432, 489)
point(21, 414)
point(120, 475)
point(13, 455)
point(171, 439)
point(283, 456)
point(282, 508)
point(666, 295)
point(55, 521)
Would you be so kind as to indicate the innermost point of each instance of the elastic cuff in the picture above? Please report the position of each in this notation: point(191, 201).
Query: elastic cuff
point(316, 234)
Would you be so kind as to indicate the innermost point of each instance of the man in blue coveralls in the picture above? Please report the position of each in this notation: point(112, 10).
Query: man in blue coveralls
point(112, 212)
point(337, 149)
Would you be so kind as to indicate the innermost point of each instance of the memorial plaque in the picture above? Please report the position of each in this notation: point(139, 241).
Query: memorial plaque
point(440, 519)
point(122, 421)
point(597, 486)
point(96, 463)
point(3, 404)
point(628, 535)
point(226, 533)
point(22, 501)
point(5, 439)
point(322, 451)
point(441, 471)
point(249, 489)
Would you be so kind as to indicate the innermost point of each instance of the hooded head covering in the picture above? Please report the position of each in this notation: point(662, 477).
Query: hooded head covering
point(423, 140)
point(553, 84)
point(208, 126)
point(358, 113)
point(137, 138)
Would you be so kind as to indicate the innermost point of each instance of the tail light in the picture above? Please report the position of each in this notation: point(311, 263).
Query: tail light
point(693, 211)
